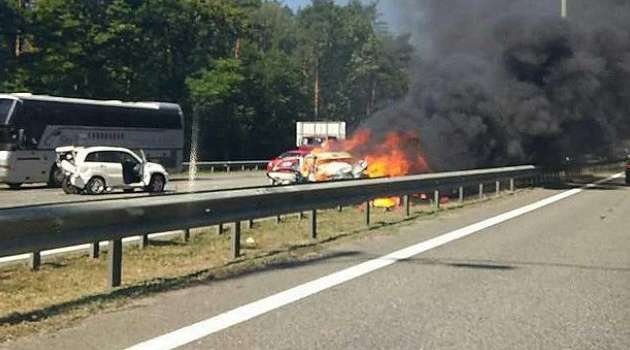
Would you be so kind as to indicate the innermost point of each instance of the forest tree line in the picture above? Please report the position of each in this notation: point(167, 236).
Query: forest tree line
point(249, 69)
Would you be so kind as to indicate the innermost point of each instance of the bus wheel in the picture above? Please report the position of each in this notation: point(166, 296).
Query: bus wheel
point(96, 185)
point(15, 186)
point(56, 177)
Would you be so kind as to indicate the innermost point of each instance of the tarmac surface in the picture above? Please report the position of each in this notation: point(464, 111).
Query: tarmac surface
point(557, 277)
point(40, 194)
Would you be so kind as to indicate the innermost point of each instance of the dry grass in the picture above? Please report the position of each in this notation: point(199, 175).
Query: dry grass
point(71, 287)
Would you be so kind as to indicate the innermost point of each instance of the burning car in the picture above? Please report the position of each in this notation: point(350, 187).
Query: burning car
point(284, 169)
point(281, 160)
point(330, 166)
point(300, 167)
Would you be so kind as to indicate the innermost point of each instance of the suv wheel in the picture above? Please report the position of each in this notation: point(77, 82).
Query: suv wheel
point(156, 184)
point(96, 185)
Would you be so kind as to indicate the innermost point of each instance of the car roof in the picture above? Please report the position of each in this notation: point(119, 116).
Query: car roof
point(300, 151)
point(332, 155)
point(104, 148)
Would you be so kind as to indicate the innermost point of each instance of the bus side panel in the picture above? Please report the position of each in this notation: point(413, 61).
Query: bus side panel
point(29, 166)
point(164, 146)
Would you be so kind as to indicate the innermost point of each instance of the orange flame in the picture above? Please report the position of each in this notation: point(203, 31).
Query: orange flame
point(396, 154)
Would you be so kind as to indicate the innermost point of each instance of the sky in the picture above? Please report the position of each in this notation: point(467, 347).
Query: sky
point(385, 9)
point(295, 4)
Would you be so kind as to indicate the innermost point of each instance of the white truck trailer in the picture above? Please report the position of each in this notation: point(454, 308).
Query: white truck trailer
point(314, 133)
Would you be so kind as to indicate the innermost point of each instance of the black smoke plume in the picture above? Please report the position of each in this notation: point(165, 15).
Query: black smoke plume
point(501, 82)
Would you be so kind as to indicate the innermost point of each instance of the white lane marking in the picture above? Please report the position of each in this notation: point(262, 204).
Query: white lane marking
point(246, 312)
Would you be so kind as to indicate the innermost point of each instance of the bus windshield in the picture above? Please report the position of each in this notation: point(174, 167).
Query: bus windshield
point(7, 138)
point(5, 108)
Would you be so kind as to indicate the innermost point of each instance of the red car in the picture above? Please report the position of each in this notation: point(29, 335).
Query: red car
point(281, 169)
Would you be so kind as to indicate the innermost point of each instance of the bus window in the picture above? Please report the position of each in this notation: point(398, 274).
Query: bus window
point(5, 109)
point(8, 138)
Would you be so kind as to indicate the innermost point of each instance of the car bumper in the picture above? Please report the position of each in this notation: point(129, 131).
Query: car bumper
point(283, 177)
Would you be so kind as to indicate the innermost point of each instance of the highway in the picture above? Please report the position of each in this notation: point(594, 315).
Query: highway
point(39, 194)
point(545, 269)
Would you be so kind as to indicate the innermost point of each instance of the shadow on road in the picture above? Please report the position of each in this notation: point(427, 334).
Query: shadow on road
point(509, 264)
point(25, 188)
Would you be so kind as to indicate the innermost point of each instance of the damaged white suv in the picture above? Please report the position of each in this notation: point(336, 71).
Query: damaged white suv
point(95, 170)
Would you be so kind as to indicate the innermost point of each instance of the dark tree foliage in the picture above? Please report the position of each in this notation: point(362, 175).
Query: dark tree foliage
point(247, 69)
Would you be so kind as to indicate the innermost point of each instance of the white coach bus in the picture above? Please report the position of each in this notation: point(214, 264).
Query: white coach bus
point(32, 126)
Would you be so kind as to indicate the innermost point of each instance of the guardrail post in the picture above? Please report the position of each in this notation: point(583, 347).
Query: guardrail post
point(36, 261)
point(497, 187)
point(512, 185)
point(480, 191)
point(114, 263)
point(228, 168)
point(340, 208)
point(406, 205)
point(144, 241)
point(186, 235)
point(242, 168)
point(236, 239)
point(461, 194)
point(367, 213)
point(250, 224)
point(301, 215)
point(312, 224)
point(95, 250)
point(436, 200)
point(278, 219)
point(212, 169)
point(219, 229)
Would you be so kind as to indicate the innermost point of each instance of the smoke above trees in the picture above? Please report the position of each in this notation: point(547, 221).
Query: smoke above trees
point(505, 82)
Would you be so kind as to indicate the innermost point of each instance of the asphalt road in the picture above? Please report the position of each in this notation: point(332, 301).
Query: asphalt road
point(555, 278)
point(38, 194)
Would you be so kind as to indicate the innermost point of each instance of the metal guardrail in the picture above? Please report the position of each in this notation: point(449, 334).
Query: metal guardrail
point(228, 166)
point(42, 227)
